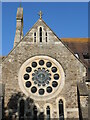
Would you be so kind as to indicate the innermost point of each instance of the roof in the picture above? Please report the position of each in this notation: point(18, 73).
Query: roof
point(80, 46)
point(76, 40)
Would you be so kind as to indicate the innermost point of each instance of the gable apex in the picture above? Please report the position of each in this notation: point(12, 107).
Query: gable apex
point(45, 29)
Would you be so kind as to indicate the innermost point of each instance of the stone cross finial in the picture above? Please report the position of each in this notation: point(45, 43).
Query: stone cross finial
point(40, 14)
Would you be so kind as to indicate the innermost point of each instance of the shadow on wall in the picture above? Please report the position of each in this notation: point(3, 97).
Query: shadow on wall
point(21, 108)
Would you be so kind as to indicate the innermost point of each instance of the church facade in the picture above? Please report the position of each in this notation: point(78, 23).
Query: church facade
point(42, 76)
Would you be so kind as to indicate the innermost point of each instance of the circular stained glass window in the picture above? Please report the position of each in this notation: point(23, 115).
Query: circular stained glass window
point(28, 69)
point(26, 76)
point(54, 83)
point(41, 62)
point(34, 64)
point(33, 89)
point(49, 89)
point(56, 76)
point(48, 64)
point(41, 91)
point(41, 76)
point(54, 69)
point(28, 84)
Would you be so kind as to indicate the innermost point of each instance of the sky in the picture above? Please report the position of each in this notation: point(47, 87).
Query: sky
point(66, 19)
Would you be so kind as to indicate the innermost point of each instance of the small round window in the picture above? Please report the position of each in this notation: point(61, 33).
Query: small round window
point(41, 76)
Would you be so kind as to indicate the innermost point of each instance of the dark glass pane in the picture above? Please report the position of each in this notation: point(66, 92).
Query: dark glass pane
point(39, 84)
point(43, 84)
point(28, 69)
point(61, 117)
point(33, 78)
point(28, 84)
point(35, 34)
point(26, 76)
point(54, 84)
point(40, 39)
point(40, 34)
point(86, 56)
point(49, 89)
point(35, 112)
point(33, 89)
point(48, 64)
point(47, 82)
point(41, 62)
point(35, 82)
point(61, 106)
point(43, 68)
point(33, 74)
point(40, 31)
point(61, 111)
point(56, 76)
point(49, 78)
point(48, 112)
point(34, 39)
point(46, 36)
point(46, 39)
point(39, 68)
point(47, 70)
point(50, 74)
point(41, 91)
point(35, 71)
point(54, 69)
point(34, 64)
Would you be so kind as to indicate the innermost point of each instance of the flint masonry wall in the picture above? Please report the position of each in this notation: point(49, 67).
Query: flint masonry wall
point(73, 68)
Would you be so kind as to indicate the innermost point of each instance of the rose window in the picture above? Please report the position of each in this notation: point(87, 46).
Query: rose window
point(41, 77)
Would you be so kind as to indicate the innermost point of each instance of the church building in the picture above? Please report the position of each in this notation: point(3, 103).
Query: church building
point(42, 77)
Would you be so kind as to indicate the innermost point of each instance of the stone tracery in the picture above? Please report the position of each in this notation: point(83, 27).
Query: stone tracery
point(41, 76)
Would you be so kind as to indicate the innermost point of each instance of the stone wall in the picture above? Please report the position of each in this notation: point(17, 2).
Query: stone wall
point(72, 67)
point(74, 70)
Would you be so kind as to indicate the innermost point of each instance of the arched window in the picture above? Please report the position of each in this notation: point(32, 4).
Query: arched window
point(61, 110)
point(35, 112)
point(46, 37)
point(48, 112)
point(40, 34)
point(34, 36)
point(21, 109)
